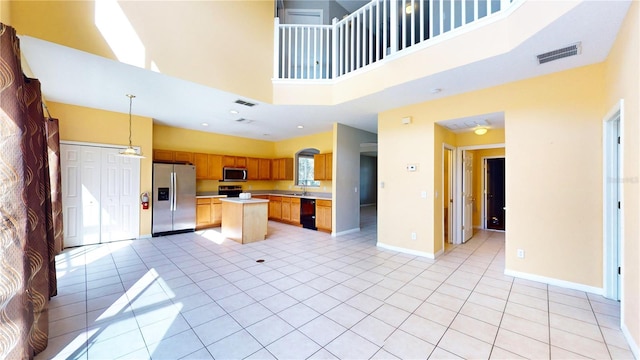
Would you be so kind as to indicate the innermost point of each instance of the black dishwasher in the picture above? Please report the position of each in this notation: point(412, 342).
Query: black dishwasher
point(308, 213)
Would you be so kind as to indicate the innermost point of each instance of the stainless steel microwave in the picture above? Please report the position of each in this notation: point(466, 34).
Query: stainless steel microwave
point(234, 174)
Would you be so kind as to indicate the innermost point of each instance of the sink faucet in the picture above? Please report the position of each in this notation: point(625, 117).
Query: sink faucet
point(304, 190)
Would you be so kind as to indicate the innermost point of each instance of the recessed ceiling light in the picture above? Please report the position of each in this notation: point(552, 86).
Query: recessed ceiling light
point(435, 90)
point(234, 111)
point(204, 124)
point(300, 127)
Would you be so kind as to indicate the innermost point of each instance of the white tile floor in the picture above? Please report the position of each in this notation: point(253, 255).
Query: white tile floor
point(198, 296)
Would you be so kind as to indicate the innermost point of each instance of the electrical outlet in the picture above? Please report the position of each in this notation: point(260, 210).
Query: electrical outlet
point(520, 253)
point(413, 236)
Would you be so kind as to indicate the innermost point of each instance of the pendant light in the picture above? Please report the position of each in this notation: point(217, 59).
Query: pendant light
point(130, 151)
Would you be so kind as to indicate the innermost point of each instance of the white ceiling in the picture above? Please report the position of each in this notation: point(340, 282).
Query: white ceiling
point(74, 77)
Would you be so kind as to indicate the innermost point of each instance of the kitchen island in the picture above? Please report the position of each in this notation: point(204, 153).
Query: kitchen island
point(244, 220)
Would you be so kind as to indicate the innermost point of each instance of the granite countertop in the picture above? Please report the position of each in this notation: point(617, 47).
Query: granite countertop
point(316, 196)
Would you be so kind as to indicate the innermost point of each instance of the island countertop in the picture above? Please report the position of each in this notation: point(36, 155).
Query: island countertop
point(244, 201)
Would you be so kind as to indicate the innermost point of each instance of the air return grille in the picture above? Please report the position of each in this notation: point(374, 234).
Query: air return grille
point(571, 50)
point(245, 103)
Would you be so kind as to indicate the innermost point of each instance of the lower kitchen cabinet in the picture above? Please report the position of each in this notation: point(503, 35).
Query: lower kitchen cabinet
point(295, 210)
point(275, 207)
point(323, 215)
point(208, 212)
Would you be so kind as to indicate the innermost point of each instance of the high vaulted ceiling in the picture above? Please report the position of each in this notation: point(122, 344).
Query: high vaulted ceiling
point(74, 77)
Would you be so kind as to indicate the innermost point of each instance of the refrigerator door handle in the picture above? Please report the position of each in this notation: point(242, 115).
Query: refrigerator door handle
point(174, 185)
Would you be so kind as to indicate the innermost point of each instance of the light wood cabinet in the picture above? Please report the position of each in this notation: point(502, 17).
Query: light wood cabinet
point(171, 156)
point(286, 209)
point(208, 166)
point(282, 169)
point(241, 161)
point(253, 169)
point(228, 161)
point(275, 207)
point(203, 213)
point(201, 162)
point(295, 211)
point(208, 212)
point(264, 169)
point(323, 215)
point(214, 167)
point(183, 157)
point(323, 166)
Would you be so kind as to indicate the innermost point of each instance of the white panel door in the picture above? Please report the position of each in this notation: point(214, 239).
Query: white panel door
point(99, 195)
point(467, 195)
point(119, 196)
point(80, 194)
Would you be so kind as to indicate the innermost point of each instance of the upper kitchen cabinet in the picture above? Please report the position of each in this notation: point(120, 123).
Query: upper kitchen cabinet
point(253, 167)
point(323, 166)
point(264, 169)
point(282, 169)
point(171, 156)
point(208, 166)
point(234, 161)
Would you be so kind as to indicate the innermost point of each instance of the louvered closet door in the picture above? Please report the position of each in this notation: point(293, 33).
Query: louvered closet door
point(99, 195)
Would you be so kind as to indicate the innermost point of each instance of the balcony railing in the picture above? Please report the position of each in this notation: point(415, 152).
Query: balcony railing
point(372, 33)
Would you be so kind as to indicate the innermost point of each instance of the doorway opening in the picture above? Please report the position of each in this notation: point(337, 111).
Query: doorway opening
point(493, 217)
point(613, 176)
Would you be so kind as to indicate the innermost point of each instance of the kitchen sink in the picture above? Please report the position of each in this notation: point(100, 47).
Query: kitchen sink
point(294, 194)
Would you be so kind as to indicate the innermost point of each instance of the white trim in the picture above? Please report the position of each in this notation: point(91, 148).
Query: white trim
point(458, 186)
point(350, 231)
point(483, 202)
point(145, 236)
point(554, 282)
point(407, 251)
point(635, 349)
point(612, 233)
point(452, 168)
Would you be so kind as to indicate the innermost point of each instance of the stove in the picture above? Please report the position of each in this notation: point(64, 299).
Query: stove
point(230, 190)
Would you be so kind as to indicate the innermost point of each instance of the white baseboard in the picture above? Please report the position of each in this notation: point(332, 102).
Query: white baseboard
point(145, 236)
point(406, 251)
point(350, 231)
point(635, 349)
point(555, 282)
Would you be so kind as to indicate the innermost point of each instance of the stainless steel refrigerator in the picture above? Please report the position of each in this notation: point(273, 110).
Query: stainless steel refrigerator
point(174, 199)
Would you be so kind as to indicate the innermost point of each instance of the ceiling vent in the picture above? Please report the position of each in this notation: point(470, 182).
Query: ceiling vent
point(244, 121)
point(571, 50)
point(245, 103)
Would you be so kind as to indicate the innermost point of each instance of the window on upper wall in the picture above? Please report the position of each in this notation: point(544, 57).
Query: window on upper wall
point(304, 167)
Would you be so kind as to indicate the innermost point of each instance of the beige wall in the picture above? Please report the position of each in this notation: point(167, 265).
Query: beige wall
point(105, 127)
point(214, 29)
point(622, 74)
point(5, 12)
point(556, 163)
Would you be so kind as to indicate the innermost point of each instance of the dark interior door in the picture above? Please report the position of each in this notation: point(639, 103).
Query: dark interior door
point(495, 194)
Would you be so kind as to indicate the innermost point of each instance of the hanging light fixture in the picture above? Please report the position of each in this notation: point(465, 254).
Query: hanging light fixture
point(130, 151)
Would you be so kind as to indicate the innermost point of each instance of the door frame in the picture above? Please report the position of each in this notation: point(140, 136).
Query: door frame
point(452, 190)
point(483, 202)
point(458, 186)
point(613, 189)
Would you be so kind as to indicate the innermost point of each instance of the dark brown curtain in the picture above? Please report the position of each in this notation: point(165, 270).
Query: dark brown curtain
point(26, 229)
